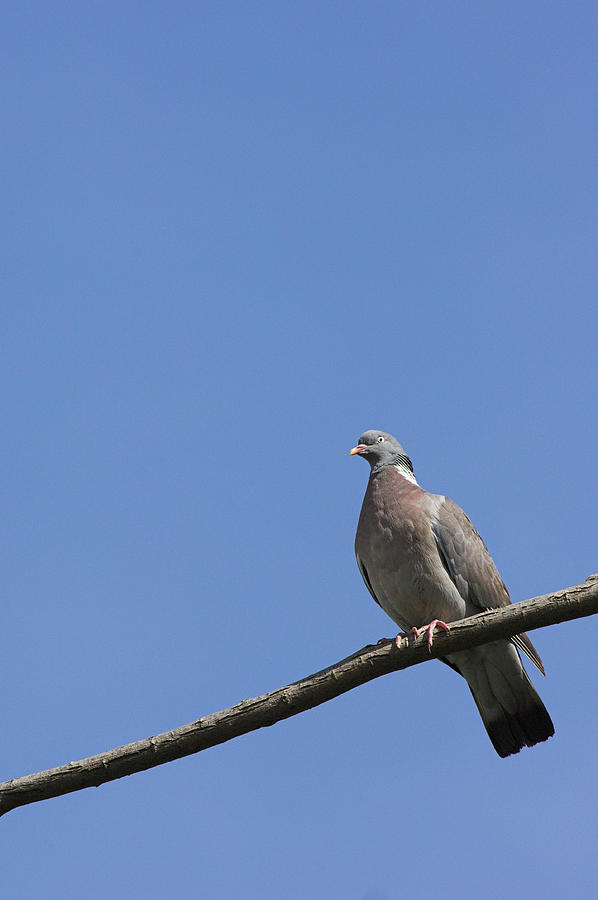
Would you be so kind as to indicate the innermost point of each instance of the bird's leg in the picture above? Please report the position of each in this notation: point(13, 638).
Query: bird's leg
point(429, 630)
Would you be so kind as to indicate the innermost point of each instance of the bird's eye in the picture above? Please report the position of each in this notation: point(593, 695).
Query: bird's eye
point(380, 440)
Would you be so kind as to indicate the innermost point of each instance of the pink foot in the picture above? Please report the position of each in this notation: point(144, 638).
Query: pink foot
point(429, 630)
point(399, 638)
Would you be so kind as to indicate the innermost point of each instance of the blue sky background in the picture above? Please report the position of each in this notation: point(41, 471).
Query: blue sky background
point(235, 236)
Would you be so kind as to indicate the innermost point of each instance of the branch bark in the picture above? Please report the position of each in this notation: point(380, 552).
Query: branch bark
point(366, 664)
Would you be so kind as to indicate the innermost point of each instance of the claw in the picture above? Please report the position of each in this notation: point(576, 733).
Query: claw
point(429, 630)
point(399, 638)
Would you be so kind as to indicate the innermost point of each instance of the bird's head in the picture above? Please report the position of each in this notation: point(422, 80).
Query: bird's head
point(382, 449)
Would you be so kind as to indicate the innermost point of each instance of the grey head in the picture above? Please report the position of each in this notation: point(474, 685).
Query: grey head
point(382, 449)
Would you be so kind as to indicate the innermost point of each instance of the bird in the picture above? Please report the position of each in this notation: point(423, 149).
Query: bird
point(426, 566)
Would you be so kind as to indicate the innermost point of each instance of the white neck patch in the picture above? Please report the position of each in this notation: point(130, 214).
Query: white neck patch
point(405, 472)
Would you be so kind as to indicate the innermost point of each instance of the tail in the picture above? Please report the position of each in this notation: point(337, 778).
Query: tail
point(511, 709)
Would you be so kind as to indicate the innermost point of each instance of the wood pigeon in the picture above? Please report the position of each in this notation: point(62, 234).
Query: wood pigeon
point(425, 564)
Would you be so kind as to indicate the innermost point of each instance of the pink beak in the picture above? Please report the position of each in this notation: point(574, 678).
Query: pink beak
point(359, 449)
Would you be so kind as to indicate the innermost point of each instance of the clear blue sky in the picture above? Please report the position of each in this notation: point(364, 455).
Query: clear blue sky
point(236, 235)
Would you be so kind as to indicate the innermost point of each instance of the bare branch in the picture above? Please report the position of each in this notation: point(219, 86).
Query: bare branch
point(364, 665)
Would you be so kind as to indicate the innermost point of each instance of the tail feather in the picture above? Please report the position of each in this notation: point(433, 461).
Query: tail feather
point(511, 710)
point(509, 732)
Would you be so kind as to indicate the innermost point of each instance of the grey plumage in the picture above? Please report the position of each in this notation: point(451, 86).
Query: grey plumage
point(422, 559)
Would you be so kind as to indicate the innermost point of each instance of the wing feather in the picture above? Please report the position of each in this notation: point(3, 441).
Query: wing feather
point(366, 579)
point(471, 568)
